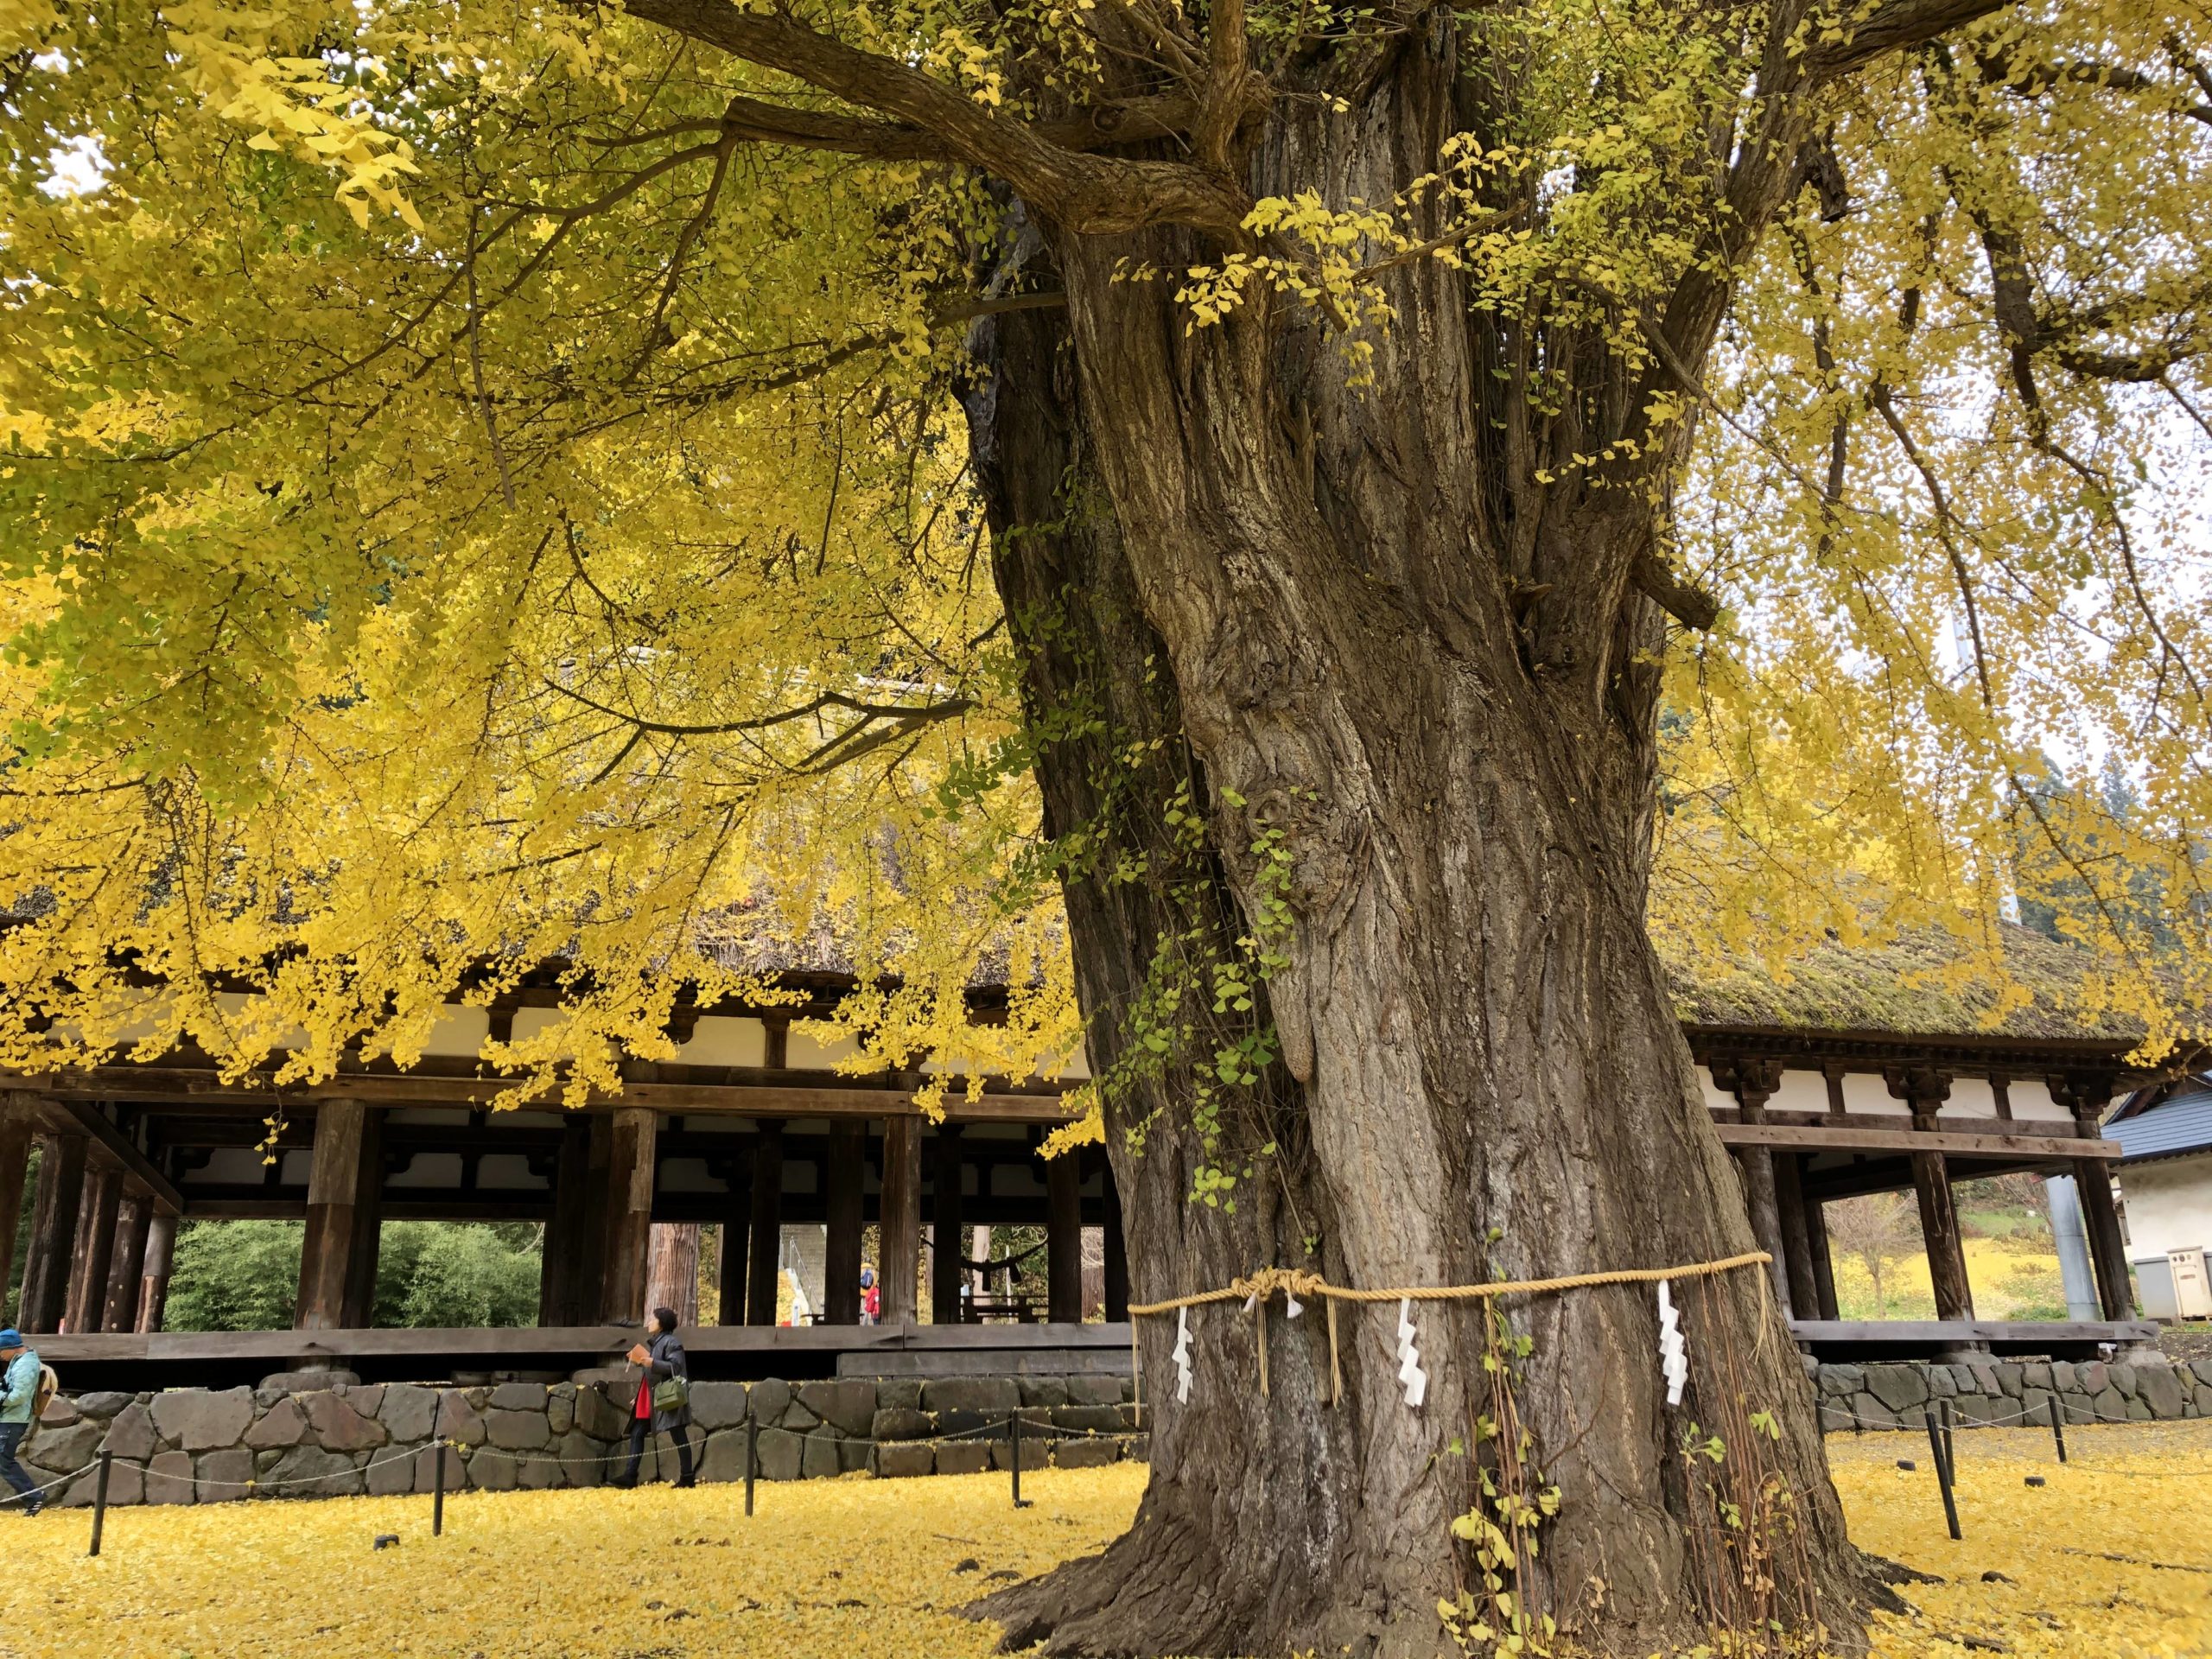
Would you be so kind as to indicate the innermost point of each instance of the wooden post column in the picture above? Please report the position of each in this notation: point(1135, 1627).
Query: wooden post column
point(765, 1250)
point(333, 1194)
point(947, 1251)
point(128, 1269)
point(561, 1266)
point(15, 1162)
point(2087, 1096)
point(732, 1235)
point(631, 1134)
point(1796, 1234)
point(1117, 1253)
point(153, 1280)
point(94, 1249)
point(1063, 1239)
point(1753, 1081)
point(1817, 1239)
point(1925, 1091)
point(901, 1219)
point(366, 1245)
point(54, 1231)
point(847, 1198)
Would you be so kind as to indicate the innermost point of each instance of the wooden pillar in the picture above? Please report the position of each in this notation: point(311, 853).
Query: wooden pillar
point(732, 1236)
point(901, 1219)
point(333, 1194)
point(587, 1287)
point(846, 1198)
point(1117, 1253)
point(54, 1231)
point(15, 1162)
point(1816, 1238)
point(366, 1245)
point(1925, 1090)
point(764, 1249)
point(947, 1250)
point(154, 1281)
point(1753, 1081)
point(93, 1252)
point(1063, 1239)
point(1797, 1242)
point(561, 1266)
point(2087, 1096)
point(127, 1270)
point(631, 1137)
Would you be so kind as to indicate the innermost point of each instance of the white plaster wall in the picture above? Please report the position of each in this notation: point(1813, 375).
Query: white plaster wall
point(1970, 1097)
point(726, 1040)
point(507, 1171)
point(1800, 1091)
point(428, 1169)
point(229, 1167)
point(1866, 1091)
point(459, 1031)
point(1716, 1098)
point(2169, 1205)
point(687, 1175)
point(2031, 1102)
point(806, 1052)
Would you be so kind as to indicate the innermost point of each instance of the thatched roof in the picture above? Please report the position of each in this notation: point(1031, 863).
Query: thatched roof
point(1923, 983)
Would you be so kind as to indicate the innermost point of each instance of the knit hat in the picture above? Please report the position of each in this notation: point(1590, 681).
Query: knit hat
point(11, 1338)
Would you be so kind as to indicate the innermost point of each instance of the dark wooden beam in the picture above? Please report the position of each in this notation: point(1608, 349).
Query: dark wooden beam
point(900, 1226)
point(630, 1172)
point(127, 1270)
point(1063, 1239)
point(1816, 1238)
point(154, 1280)
point(123, 1151)
point(845, 1200)
point(334, 1193)
point(1117, 1252)
point(2057, 1147)
point(93, 1253)
point(765, 1248)
point(16, 1122)
point(948, 1230)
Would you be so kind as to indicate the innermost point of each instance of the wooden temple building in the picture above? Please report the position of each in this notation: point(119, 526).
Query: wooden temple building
point(1834, 1085)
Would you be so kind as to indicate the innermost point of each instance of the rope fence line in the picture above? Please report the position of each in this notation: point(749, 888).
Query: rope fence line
point(1255, 1288)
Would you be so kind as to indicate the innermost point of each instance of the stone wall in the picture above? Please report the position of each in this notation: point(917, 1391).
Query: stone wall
point(206, 1446)
point(2018, 1394)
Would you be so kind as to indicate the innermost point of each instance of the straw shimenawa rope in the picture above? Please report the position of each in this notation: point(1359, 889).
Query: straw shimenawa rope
point(1259, 1286)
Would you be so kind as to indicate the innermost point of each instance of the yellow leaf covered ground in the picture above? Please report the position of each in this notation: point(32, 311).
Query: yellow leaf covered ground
point(856, 1568)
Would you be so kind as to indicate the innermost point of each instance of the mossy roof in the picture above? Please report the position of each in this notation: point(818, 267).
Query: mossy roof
point(1924, 982)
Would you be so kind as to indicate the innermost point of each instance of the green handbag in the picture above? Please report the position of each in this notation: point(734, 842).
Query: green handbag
point(671, 1394)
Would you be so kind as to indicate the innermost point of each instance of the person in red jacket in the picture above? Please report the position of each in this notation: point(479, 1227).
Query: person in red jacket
point(871, 1297)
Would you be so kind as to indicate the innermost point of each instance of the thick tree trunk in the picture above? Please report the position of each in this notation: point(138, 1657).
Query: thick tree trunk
point(672, 1271)
point(1481, 1071)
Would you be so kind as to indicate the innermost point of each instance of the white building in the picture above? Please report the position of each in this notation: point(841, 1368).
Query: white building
point(2165, 1182)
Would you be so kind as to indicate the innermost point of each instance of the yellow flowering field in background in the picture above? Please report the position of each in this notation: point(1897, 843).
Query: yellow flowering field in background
point(2009, 1282)
point(864, 1569)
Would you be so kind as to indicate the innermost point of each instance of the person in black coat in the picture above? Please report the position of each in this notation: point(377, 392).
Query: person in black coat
point(660, 1358)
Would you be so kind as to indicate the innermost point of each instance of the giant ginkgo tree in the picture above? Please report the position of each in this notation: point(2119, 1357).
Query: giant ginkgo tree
point(1261, 522)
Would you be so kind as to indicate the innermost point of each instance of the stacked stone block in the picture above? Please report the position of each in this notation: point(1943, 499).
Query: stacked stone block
point(2019, 1394)
point(206, 1446)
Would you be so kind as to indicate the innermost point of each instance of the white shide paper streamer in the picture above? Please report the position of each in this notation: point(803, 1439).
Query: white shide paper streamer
point(1674, 1357)
point(1409, 1370)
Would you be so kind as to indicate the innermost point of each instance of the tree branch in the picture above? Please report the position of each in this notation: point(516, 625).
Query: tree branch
point(1690, 606)
point(1896, 26)
point(1085, 194)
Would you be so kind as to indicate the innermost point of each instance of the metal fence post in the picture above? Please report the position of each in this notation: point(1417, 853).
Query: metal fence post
point(751, 1459)
point(438, 1492)
point(99, 1501)
point(2058, 1427)
point(1014, 1423)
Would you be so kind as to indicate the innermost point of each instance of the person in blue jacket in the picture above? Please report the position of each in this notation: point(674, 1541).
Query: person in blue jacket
point(18, 1397)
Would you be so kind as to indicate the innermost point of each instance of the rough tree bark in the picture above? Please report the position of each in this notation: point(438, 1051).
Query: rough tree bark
point(1208, 537)
point(672, 1271)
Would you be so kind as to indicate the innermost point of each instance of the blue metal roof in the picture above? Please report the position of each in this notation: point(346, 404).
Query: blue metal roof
point(2181, 1124)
